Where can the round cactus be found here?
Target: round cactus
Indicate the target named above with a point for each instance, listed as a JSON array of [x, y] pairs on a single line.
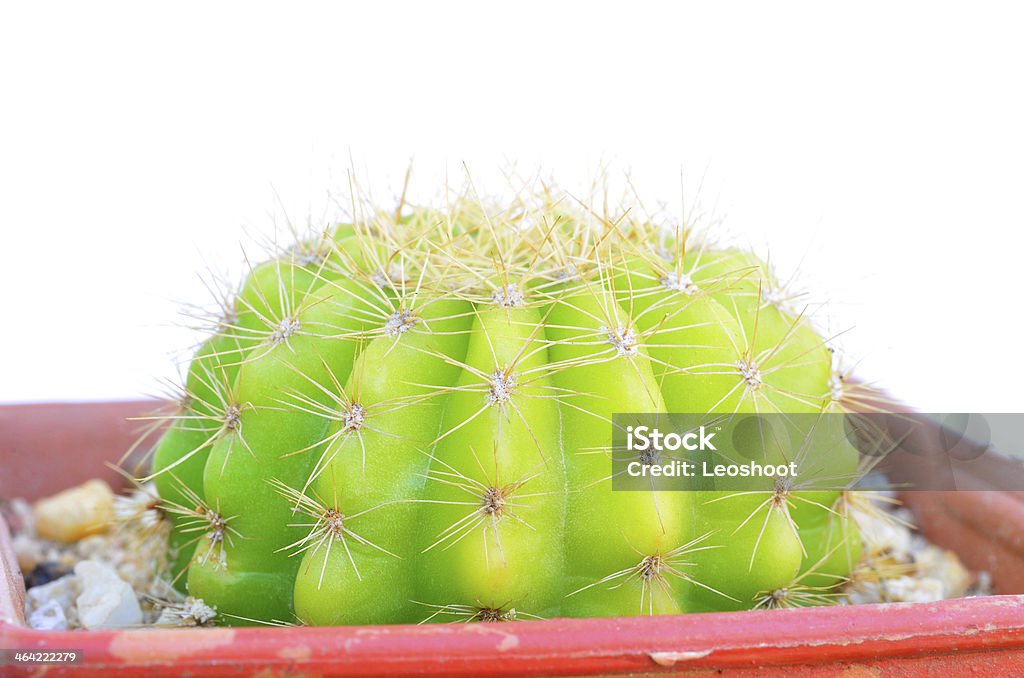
[[407, 417]]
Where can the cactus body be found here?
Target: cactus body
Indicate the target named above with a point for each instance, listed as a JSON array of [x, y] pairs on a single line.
[[408, 418]]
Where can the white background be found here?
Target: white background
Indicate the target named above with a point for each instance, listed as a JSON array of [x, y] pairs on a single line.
[[881, 145]]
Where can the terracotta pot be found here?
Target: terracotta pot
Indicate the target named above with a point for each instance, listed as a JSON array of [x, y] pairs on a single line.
[[44, 448]]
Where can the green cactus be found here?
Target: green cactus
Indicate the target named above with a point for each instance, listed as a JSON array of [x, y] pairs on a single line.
[[406, 418]]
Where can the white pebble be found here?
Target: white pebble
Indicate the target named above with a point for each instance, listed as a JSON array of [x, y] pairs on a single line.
[[107, 601], [881, 534], [49, 617], [61, 591], [913, 590]]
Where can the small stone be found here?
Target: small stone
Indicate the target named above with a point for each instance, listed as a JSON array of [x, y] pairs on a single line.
[[75, 513], [913, 590], [28, 550], [943, 566], [883, 535], [44, 573], [982, 585], [62, 591], [49, 617], [107, 601]]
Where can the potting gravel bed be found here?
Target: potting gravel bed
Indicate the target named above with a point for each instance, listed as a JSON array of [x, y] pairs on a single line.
[[92, 559]]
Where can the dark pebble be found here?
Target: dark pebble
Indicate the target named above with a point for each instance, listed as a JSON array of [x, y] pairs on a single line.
[[44, 573]]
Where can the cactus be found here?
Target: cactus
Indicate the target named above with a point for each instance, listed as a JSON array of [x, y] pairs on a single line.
[[406, 418]]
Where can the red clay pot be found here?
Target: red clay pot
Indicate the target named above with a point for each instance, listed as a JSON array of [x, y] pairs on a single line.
[[45, 448]]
